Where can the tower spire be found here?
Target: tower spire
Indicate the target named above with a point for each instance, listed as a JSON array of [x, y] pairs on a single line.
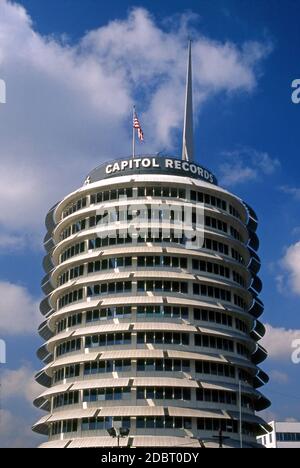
[[188, 128]]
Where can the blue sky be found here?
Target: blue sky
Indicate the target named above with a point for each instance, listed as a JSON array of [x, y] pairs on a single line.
[[70, 88]]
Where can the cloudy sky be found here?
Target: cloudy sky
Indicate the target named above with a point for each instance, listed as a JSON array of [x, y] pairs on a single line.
[[73, 70]]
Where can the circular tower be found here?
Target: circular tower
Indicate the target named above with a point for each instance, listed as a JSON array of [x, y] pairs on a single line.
[[151, 311]]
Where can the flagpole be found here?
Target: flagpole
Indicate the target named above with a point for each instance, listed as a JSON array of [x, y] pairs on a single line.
[[133, 134]]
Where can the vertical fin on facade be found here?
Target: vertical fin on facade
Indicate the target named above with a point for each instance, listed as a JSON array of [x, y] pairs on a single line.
[[188, 127]]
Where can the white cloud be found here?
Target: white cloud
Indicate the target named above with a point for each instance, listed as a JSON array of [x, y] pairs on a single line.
[[15, 431], [291, 420], [290, 263], [18, 390], [269, 416], [6, 422], [294, 191], [20, 383], [69, 106], [296, 231], [16, 302], [279, 377], [235, 173], [278, 342], [245, 165], [280, 283], [10, 242]]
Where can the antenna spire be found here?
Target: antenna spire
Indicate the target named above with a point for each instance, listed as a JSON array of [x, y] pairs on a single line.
[[188, 128]]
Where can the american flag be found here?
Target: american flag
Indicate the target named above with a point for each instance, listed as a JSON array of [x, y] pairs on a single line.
[[137, 125]]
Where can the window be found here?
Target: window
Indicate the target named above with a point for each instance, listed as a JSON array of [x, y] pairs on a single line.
[[71, 274], [71, 321], [221, 318], [216, 396], [161, 192], [216, 224], [100, 424], [218, 293], [242, 350], [71, 297], [75, 206], [111, 263], [288, 436], [103, 394], [208, 200], [68, 347], [215, 246], [160, 365], [97, 315], [71, 398], [210, 368], [237, 256], [101, 367], [215, 425], [109, 288], [241, 326], [163, 422], [163, 338], [234, 212], [235, 234], [65, 427], [110, 339], [239, 301], [66, 373], [162, 261], [111, 195], [210, 267], [162, 286], [76, 249], [101, 242], [80, 225]]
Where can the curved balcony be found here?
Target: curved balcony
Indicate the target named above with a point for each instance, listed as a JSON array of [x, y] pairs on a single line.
[[257, 308], [44, 331], [50, 223], [260, 355], [48, 243], [256, 286], [253, 242], [47, 263], [258, 331], [254, 264], [45, 307], [43, 379], [46, 285], [252, 218]]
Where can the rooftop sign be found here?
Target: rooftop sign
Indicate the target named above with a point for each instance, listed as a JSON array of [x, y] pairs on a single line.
[[151, 165]]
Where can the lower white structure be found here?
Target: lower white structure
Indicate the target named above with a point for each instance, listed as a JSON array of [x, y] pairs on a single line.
[[283, 435]]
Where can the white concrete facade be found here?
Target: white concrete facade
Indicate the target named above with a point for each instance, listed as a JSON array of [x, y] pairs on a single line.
[[149, 334], [284, 435]]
